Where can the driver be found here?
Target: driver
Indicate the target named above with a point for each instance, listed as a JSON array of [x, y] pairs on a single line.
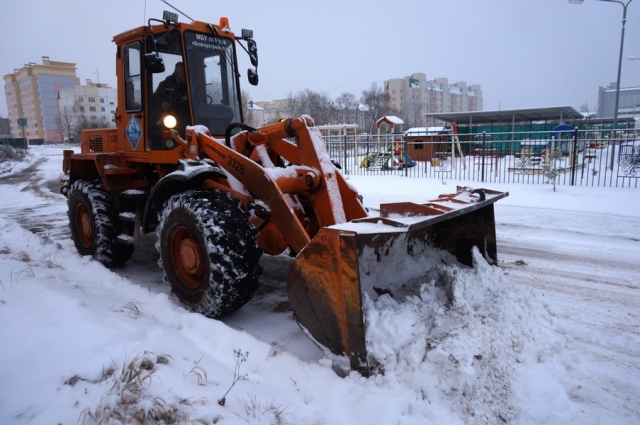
[[171, 97]]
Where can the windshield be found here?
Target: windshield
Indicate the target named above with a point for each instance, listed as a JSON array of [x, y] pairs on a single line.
[[212, 82]]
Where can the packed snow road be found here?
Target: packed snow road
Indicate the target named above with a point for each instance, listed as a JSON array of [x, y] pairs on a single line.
[[572, 268]]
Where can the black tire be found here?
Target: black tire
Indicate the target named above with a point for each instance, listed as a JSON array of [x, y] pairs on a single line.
[[208, 251], [94, 224]]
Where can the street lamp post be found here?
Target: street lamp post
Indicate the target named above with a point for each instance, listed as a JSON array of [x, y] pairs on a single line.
[[615, 109]]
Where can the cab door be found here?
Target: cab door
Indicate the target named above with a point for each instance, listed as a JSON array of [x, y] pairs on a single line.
[[131, 83]]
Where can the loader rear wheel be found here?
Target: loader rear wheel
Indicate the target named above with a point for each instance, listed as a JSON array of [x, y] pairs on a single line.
[[94, 224], [208, 251]]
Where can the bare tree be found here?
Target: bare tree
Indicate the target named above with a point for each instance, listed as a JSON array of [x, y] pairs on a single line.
[[67, 123], [325, 107], [346, 100], [83, 124], [378, 104], [317, 105], [417, 105], [347, 106], [247, 109], [105, 123], [308, 102], [292, 105], [72, 121], [588, 111]]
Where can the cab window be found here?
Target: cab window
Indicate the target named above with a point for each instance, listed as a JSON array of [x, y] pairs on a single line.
[[132, 78]]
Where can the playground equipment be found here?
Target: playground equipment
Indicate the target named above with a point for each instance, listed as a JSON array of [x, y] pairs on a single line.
[[394, 157]]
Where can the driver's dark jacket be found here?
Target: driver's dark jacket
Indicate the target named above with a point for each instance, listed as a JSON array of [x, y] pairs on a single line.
[[171, 91]]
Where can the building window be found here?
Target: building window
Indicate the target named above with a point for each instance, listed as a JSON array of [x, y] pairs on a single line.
[[81, 108], [102, 109], [92, 99], [92, 108], [81, 99], [102, 100]]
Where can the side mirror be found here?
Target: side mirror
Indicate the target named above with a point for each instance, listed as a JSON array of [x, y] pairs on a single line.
[[153, 63], [253, 51], [252, 75]]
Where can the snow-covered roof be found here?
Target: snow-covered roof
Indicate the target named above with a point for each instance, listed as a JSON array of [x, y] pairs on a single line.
[[338, 126], [390, 119], [426, 131]]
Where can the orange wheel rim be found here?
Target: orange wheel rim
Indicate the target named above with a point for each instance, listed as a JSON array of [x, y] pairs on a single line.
[[187, 257], [83, 225]]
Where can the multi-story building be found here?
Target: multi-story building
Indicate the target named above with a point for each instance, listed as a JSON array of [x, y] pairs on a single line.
[[628, 103], [254, 115], [90, 106], [414, 96], [276, 110], [32, 93]]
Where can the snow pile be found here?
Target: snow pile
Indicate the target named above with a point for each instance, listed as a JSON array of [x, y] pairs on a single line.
[[14, 160], [464, 340]]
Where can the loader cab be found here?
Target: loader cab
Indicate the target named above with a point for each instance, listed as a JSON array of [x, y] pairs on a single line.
[[198, 85], [147, 61]]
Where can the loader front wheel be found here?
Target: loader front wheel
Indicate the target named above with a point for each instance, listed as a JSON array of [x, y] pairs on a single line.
[[94, 224], [208, 251]]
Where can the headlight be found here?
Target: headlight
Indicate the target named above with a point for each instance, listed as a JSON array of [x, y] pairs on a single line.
[[169, 121]]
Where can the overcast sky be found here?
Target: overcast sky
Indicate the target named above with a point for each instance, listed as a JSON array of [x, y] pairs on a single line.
[[524, 53]]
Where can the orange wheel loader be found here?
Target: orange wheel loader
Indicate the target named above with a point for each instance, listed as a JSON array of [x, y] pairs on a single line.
[[219, 194]]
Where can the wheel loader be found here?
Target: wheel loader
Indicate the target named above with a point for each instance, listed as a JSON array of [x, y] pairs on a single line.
[[220, 194]]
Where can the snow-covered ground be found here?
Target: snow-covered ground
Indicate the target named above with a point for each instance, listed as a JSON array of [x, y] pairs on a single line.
[[551, 336]]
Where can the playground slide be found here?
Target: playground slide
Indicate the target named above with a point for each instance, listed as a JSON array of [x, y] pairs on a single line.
[[407, 160]]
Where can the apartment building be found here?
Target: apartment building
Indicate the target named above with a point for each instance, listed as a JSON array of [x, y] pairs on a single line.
[[414, 96], [276, 110], [90, 106], [31, 92]]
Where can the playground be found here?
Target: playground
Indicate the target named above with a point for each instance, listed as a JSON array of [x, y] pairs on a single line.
[[390, 152], [566, 157]]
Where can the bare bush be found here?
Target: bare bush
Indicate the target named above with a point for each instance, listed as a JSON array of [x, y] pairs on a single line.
[[9, 153], [129, 401]]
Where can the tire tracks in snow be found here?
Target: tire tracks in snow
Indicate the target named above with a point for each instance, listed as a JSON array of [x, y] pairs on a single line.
[[608, 331]]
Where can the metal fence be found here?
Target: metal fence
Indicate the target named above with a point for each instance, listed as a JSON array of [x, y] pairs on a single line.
[[580, 158], [18, 143]]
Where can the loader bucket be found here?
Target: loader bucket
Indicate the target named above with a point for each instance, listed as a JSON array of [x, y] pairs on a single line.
[[344, 263]]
